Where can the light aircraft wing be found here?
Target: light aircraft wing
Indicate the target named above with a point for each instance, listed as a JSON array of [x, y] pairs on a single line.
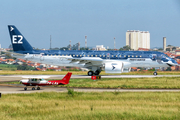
[[38, 77]]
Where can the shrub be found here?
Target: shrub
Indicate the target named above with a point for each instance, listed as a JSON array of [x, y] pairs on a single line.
[[70, 92]]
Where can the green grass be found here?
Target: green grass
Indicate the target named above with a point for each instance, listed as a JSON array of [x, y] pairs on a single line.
[[91, 106], [7, 67], [126, 83], [8, 72]]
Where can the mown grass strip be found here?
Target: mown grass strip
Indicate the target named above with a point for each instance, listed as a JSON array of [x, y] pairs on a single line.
[[125, 83], [91, 105]]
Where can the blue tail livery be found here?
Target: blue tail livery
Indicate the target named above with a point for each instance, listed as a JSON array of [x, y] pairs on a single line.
[[18, 41]]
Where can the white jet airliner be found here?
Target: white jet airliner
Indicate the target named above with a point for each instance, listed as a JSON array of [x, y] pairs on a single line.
[[95, 61]]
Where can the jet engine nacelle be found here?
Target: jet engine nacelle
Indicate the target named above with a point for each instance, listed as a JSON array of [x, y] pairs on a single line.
[[114, 67]]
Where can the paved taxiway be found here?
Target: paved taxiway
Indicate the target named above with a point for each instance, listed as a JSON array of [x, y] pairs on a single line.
[[10, 89]]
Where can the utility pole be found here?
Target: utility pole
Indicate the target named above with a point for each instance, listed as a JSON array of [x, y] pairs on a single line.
[[114, 44], [50, 42]]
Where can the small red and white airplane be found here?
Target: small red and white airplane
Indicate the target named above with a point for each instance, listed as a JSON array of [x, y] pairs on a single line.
[[40, 81]]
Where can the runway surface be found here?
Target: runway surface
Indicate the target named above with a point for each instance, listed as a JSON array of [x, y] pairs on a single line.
[[10, 89], [6, 78]]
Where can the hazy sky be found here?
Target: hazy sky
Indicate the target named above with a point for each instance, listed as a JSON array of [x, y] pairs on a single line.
[[100, 20]]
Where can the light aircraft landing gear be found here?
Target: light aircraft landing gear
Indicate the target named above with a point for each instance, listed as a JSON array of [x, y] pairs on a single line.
[[25, 88], [33, 88], [90, 73], [38, 88]]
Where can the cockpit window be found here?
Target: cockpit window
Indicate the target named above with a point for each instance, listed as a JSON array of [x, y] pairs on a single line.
[[166, 55], [42, 79]]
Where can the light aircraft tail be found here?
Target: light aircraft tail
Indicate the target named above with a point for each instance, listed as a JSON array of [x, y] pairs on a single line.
[[66, 78], [18, 41]]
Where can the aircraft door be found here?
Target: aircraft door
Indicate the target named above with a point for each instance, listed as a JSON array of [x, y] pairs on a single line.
[[41, 57]]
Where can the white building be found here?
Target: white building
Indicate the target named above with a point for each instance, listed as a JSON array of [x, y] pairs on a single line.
[[138, 39], [100, 48]]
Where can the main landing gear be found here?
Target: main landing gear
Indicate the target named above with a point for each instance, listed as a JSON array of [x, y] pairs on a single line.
[[91, 73], [155, 73], [33, 88]]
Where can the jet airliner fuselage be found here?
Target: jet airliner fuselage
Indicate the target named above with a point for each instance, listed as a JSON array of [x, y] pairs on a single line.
[[110, 61]]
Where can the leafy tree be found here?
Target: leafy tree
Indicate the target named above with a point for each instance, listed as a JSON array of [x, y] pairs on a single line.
[[174, 48], [160, 49], [169, 69], [168, 49], [83, 48], [121, 49], [56, 48], [64, 48], [169, 45], [110, 49], [24, 66], [125, 48]]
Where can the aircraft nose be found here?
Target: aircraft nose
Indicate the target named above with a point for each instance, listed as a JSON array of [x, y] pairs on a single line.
[[174, 62]]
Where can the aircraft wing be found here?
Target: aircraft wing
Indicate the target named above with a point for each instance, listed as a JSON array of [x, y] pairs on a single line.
[[87, 60]]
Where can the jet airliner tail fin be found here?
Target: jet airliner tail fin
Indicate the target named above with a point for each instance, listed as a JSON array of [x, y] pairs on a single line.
[[19, 42]]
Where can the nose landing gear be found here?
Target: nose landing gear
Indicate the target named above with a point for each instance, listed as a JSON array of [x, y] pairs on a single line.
[[155, 73]]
